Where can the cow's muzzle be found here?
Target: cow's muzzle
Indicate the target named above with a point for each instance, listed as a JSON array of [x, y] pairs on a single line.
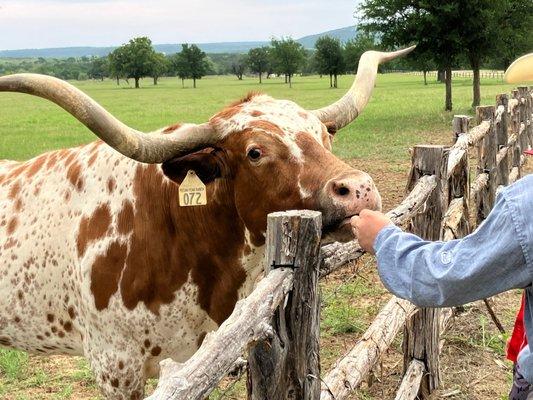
[[343, 197]]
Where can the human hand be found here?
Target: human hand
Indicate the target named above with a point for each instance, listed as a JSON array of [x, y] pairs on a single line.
[[366, 227]]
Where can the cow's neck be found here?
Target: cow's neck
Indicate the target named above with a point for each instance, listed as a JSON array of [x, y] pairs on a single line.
[[169, 244]]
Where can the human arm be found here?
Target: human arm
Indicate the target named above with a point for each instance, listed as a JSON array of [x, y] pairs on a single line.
[[436, 274]]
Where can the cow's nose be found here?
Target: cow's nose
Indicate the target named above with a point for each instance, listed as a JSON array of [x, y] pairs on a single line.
[[354, 192]]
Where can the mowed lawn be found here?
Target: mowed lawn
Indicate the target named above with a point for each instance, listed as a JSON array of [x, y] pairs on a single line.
[[403, 112]]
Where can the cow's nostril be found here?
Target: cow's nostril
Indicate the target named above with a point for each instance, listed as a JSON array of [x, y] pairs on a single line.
[[343, 191]]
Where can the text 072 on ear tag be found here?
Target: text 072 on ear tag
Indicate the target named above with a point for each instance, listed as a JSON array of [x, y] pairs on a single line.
[[192, 191]]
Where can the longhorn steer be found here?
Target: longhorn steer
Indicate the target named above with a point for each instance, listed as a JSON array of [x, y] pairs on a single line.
[[98, 259]]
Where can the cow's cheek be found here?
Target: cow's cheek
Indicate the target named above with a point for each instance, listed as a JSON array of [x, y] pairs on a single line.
[[253, 208]]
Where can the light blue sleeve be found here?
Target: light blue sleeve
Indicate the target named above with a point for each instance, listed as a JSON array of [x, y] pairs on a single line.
[[442, 274]]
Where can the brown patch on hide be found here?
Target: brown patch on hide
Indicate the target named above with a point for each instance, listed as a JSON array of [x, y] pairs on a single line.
[[125, 218], [105, 274], [74, 175], [12, 225], [35, 166], [93, 227], [171, 128]]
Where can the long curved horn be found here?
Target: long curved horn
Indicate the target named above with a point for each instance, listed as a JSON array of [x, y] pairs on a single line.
[[148, 148], [348, 108]]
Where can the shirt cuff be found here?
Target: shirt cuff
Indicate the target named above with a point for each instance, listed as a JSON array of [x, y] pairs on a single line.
[[383, 234]]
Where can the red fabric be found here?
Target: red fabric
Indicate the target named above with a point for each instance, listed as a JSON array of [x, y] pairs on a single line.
[[529, 152], [518, 339]]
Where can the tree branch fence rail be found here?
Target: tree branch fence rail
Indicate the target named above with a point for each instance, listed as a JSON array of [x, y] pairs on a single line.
[[278, 323]]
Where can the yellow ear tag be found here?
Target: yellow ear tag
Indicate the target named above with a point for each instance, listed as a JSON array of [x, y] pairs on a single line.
[[192, 191]]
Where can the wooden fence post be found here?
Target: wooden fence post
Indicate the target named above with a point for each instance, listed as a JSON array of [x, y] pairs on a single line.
[[486, 164], [460, 125], [287, 366], [525, 115], [458, 188], [502, 138], [422, 331]]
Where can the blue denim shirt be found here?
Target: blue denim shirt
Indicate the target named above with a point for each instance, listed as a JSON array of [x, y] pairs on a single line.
[[496, 257]]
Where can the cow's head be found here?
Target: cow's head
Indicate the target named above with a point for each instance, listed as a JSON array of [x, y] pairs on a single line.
[[266, 154]]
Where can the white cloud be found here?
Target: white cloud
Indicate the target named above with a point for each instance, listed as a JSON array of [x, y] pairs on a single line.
[[58, 23]]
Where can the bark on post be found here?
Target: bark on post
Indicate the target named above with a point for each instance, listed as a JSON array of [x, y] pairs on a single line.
[[502, 138], [530, 114], [525, 115], [422, 332], [460, 125], [515, 129], [459, 178], [287, 366], [487, 164]]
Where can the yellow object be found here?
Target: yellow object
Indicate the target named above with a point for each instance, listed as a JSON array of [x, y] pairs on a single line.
[[520, 70], [192, 191]]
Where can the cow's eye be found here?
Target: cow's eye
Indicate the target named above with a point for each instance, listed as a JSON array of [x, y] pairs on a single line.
[[254, 154]]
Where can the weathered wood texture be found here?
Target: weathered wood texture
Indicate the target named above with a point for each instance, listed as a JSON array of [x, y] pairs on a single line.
[[456, 219], [460, 125], [410, 385], [464, 141], [287, 364], [422, 331], [514, 105], [336, 255], [479, 184], [249, 322], [527, 93], [455, 223], [350, 371], [502, 139], [486, 164]]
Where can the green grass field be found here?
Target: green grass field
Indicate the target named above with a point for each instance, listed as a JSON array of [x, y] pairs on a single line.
[[403, 112]]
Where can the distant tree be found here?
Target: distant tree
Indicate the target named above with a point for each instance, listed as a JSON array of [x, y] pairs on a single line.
[[138, 57], [422, 62], [436, 26], [479, 35], [309, 65], [514, 31], [179, 65], [258, 61], [329, 58], [99, 68], [354, 48], [117, 63], [287, 57], [191, 63], [238, 67], [160, 66]]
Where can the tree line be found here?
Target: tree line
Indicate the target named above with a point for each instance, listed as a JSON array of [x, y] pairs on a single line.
[[137, 59]]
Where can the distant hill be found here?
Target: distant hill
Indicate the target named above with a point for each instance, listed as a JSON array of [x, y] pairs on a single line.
[[343, 34], [308, 42]]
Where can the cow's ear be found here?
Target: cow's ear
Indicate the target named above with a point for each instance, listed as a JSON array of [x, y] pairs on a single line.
[[206, 163], [331, 126]]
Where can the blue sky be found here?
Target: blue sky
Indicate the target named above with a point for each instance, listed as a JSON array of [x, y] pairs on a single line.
[[61, 23]]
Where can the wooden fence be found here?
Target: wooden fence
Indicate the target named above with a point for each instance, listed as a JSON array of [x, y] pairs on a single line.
[[278, 324], [455, 74]]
